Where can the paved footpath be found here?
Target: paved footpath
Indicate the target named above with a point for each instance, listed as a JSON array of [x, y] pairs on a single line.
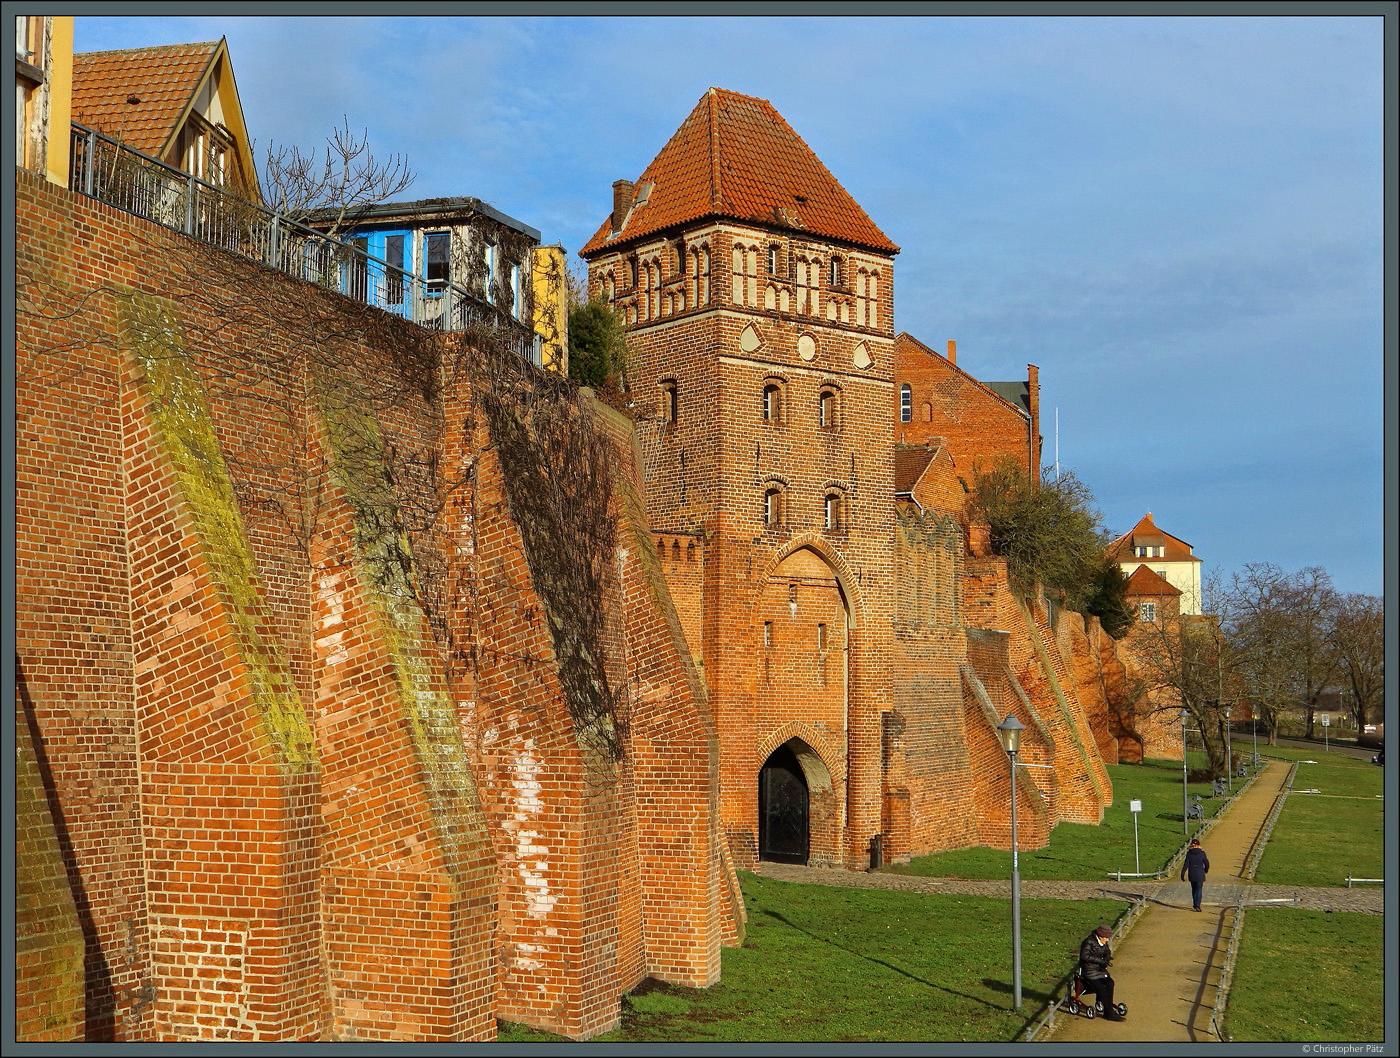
[[1167, 964]]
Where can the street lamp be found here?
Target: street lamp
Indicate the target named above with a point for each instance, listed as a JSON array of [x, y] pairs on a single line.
[[1185, 825], [1254, 732], [1009, 731], [1229, 760]]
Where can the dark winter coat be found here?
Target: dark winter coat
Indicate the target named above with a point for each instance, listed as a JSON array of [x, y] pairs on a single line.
[[1196, 865], [1094, 958]]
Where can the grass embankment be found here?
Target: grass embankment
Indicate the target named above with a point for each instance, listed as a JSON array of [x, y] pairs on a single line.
[[822, 963], [1082, 852], [1308, 975], [1321, 838], [833, 964]]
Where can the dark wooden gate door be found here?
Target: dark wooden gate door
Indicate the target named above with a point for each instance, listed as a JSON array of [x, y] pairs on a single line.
[[782, 809]]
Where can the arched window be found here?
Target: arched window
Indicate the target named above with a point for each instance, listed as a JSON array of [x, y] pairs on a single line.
[[773, 402], [833, 512], [773, 506], [835, 275], [828, 409], [906, 403], [670, 406], [772, 259], [675, 550]]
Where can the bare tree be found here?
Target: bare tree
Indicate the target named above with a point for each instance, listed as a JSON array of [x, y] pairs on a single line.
[[336, 187], [1183, 663], [1282, 629], [1359, 642]]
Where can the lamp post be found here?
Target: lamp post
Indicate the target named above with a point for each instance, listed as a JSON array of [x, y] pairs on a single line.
[[1009, 731], [1229, 760], [1185, 823], [1254, 733]]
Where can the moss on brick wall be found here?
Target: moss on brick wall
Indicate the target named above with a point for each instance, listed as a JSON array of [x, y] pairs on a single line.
[[360, 462], [184, 430]]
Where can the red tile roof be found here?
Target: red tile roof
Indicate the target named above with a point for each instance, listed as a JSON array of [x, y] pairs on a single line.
[[735, 157], [163, 79], [910, 462], [1144, 581], [1147, 534]]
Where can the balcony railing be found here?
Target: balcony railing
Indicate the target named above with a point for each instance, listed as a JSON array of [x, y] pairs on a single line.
[[141, 185]]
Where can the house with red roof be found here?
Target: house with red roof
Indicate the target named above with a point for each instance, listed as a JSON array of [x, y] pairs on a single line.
[[982, 423], [1167, 556], [1155, 599], [177, 103]]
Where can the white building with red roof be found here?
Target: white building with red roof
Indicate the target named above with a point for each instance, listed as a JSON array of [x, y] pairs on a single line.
[[1167, 556]]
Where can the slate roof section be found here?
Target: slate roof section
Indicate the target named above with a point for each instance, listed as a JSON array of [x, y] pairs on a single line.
[[1147, 534], [164, 79], [736, 158]]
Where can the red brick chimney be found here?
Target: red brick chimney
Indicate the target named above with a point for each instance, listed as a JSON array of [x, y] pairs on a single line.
[[952, 352], [622, 203]]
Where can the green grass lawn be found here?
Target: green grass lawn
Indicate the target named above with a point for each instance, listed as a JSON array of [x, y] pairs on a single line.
[[1308, 975], [1321, 838], [830, 964], [1082, 852]]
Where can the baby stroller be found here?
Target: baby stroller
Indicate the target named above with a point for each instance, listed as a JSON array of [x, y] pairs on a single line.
[[1089, 1007]]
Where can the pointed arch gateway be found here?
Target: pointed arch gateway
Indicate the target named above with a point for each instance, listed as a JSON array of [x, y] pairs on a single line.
[[802, 704]]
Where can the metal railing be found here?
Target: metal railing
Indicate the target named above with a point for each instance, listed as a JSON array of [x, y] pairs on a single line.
[[146, 187]]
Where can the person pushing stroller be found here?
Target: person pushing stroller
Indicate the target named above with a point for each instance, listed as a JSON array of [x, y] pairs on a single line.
[[1094, 956]]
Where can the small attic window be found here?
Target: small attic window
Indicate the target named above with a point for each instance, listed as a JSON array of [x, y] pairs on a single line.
[[643, 193]]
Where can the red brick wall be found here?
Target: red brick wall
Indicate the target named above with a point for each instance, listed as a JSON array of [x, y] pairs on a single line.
[[979, 426], [49, 944], [928, 774], [264, 752]]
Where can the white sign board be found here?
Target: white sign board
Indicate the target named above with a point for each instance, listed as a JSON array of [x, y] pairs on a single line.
[[1134, 806], [1326, 719]]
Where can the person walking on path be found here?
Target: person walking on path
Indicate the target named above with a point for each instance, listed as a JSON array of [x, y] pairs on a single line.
[[1094, 957], [1194, 869]]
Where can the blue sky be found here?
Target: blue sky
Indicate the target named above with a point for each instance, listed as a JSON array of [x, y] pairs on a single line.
[[1178, 220]]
